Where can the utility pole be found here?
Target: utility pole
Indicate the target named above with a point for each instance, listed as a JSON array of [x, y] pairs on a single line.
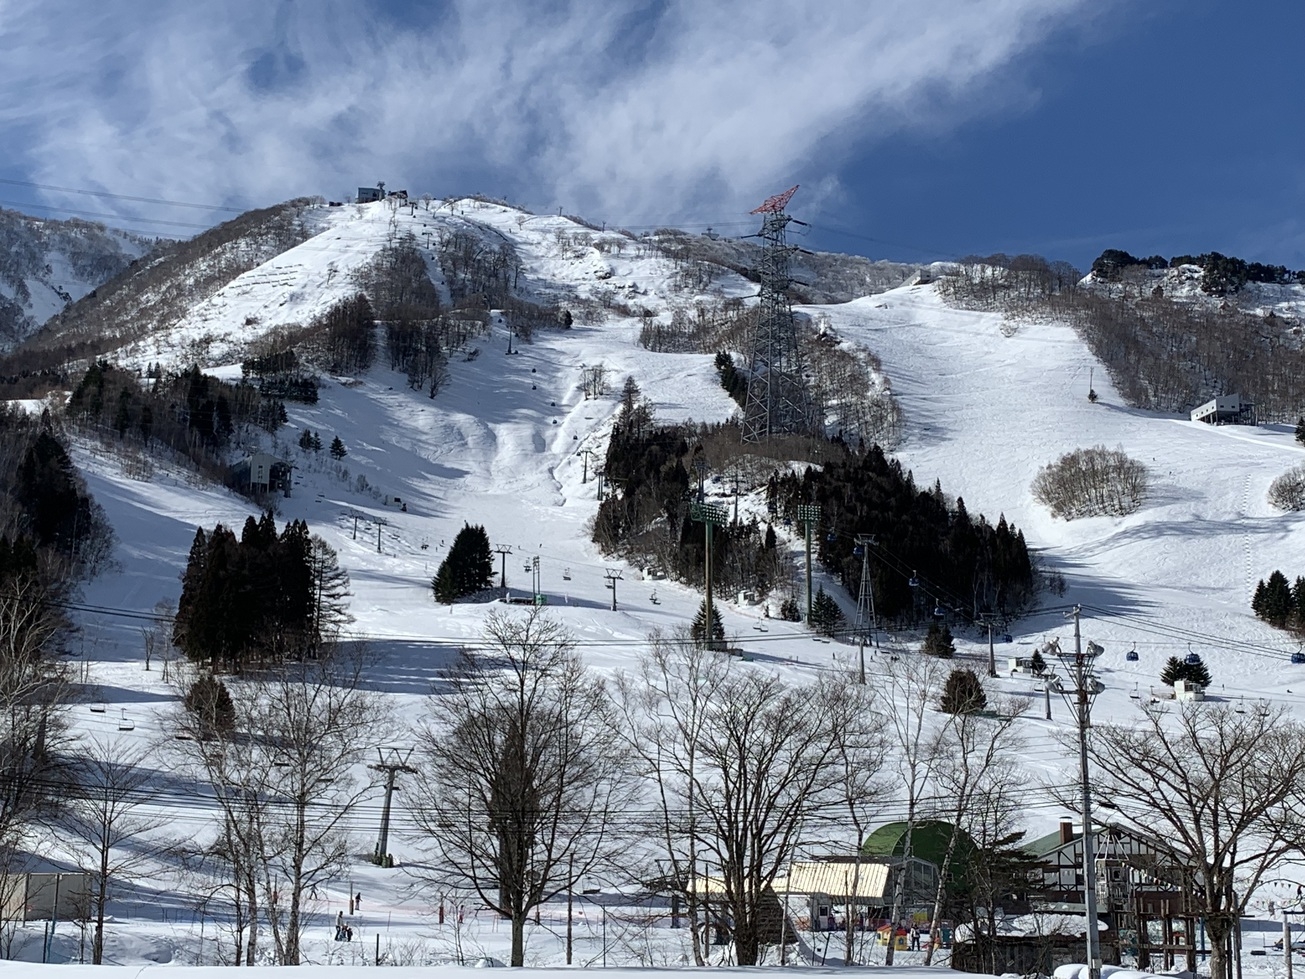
[[709, 514], [990, 620], [1079, 692], [736, 496], [378, 538], [865, 598], [503, 550], [392, 762], [570, 891], [613, 576], [808, 514], [536, 579]]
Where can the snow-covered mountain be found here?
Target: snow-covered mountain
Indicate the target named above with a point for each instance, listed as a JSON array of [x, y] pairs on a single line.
[[46, 264], [508, 442]]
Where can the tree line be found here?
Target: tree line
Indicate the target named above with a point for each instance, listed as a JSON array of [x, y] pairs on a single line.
[[1279, 603], [955, 560], [1162, 353], [191, 415], [263, 597]]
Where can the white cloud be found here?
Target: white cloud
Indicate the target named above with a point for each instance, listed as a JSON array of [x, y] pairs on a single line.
[[626, 113]]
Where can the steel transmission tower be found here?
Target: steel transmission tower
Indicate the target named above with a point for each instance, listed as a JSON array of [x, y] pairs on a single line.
[[778, 402]]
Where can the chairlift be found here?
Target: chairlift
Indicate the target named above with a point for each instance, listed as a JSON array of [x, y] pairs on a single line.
[[831, 537], [566, 574], [914, 582], [1007, 637], [1241, 706], [1297, 658], [1191, 659], [125, 723], [526, 568], [611, 585], [1136, 694], [99, 708], [1131, 655], [858, 551], [939, 612]]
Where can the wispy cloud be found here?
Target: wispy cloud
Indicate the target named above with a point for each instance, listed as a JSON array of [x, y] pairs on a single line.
[[636, 112]]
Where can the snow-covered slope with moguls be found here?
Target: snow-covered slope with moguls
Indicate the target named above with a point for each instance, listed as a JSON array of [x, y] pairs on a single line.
[[986, 404]]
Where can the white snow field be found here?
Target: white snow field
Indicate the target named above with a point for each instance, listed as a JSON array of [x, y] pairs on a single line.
[[500, 446]]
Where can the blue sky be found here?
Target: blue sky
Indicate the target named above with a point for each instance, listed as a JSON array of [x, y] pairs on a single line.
[[918, 130]]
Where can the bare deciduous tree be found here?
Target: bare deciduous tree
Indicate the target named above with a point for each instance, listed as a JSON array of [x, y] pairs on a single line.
[[282, 777], [912, 689], [1092, 482], [110, 784], [520, 783], [975, 752], [665, 708], [764, 765], [1223, 789]]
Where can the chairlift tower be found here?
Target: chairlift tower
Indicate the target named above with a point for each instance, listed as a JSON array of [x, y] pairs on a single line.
[[778, 401]]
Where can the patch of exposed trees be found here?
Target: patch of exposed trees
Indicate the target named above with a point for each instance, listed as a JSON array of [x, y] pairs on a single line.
[[192, 415], [957, 558], [1279, 603], [646, 516], [1221, 275], [1092, 482], [1287, 492], [263, 598], [476, 269]]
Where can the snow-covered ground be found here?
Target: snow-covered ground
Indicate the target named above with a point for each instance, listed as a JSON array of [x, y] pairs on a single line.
[[501, 446]]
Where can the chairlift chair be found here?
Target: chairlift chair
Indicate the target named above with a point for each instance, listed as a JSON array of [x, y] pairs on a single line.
[[914, 582], [831, 537], [99, 708], [566, 574], [1136, 694], [1191, 659], [939, 612], [1297, 658], [125, 723], [1131, 655], [858, 551], [1007, 637], [1241, 706]]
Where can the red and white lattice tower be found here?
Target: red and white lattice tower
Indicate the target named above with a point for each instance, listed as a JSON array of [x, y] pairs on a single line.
[[778, 402]]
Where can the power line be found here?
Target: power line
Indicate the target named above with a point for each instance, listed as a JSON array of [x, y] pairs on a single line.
[[122, 197], [96, 214]]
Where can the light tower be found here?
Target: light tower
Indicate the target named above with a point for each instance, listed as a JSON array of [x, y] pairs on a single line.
[[778, 402]]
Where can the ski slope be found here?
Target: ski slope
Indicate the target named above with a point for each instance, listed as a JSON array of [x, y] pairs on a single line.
[[986, 404]]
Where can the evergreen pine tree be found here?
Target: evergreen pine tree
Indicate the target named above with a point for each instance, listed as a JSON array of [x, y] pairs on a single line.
[[1196, 673], [316, 442], [306, 440], [698, 630], [938, 642], [1278, 603], [446, 592], [826, 616], [1039, 663], [789, 611], [338, 451], [963, 693], [1257, 602], [1300, 430], [1173, 670]]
